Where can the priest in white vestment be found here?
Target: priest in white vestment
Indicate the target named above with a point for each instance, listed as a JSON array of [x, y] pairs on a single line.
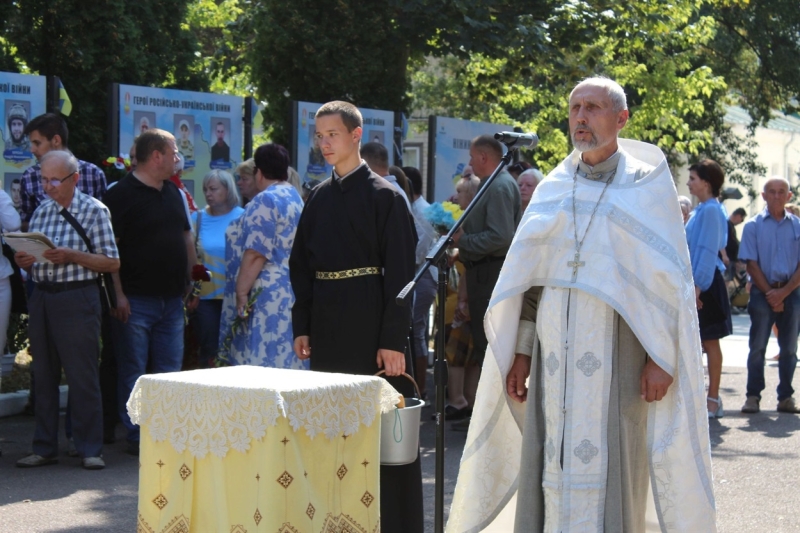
[[596, 304]]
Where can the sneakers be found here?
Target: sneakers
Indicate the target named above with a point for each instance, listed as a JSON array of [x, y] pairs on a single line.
[[751, 405], [787, 405], [34, 460], [93, 463]]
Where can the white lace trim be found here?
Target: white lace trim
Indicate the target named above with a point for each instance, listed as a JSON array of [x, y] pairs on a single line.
[[218, 409]]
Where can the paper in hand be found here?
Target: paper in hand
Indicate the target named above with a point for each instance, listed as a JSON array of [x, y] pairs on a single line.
[[33, 243]]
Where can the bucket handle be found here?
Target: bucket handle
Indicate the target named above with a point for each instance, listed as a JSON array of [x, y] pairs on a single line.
[[416, 387]]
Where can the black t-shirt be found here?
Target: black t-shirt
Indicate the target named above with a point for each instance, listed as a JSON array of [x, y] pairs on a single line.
[[732, 246], [149, 225]]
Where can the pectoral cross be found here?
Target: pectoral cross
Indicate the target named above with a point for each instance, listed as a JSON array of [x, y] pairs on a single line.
[[576, 264]]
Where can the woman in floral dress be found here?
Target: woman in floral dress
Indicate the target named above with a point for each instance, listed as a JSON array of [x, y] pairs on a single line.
[[266, 236]]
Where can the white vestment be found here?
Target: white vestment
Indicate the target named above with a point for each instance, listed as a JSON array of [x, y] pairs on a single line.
[[637, 264]]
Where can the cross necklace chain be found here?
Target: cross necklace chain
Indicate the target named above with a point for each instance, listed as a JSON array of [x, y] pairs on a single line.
[[576, 263]]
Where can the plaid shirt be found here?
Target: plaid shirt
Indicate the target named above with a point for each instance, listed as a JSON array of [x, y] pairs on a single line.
[[92, 181], [96, 221]]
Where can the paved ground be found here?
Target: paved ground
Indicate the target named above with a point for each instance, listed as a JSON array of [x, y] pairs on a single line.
[[756, 468]]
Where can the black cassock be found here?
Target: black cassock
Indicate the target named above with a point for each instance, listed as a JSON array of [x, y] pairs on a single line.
[[360, 222]]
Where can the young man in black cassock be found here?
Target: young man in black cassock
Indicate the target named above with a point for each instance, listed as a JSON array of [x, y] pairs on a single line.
[[353, 253]]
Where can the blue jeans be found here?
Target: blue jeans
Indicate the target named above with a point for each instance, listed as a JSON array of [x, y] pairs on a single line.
[[762, 317], [151, 341]]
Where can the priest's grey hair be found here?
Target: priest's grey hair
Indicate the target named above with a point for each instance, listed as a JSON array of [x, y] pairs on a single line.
[[612, 88]]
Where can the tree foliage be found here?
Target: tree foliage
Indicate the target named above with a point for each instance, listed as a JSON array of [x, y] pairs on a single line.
[[223, 30], [89, 47], [651, 48], [360, 51], [7, 62], [756, 48], [680, 61]]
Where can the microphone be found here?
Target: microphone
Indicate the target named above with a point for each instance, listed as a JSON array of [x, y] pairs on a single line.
[[513, 139]]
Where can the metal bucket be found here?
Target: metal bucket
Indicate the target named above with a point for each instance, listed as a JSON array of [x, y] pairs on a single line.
[[400, 431]]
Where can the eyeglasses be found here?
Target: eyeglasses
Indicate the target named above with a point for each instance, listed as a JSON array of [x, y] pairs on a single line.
[[55, 182]]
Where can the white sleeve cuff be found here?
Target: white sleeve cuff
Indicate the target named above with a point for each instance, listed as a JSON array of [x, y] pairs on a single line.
[[526, 332]]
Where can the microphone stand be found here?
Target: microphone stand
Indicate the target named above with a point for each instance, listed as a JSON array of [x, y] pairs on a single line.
[[436, 256]]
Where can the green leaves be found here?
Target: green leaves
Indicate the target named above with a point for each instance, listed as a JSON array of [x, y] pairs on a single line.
[[656, 50], [89, 48], [680, 61]]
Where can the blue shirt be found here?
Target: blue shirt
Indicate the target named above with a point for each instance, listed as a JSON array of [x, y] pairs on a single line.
[[725, 216], [774, 245], [706, 233], [211, 249]]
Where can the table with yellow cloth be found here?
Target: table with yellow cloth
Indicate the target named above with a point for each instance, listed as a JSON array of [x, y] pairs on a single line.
[[253, 449]]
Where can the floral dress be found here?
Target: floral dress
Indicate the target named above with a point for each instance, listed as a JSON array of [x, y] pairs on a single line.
[[233, 259], [268, 227]]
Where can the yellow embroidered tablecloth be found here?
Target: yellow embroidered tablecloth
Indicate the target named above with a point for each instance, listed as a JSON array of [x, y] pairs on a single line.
[[252, 449]]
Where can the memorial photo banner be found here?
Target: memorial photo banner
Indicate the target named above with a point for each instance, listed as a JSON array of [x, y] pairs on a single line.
[[208, 127], [22, 97]]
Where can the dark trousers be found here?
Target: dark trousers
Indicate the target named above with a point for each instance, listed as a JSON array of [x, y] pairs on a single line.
[[481, 280], [205, 322], [108, 377], [64, 330]]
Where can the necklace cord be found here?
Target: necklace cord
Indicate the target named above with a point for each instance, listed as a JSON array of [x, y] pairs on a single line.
[[579, 243]]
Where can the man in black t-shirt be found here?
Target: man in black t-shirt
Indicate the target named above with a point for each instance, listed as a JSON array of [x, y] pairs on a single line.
[[156, 254], [732, 246]]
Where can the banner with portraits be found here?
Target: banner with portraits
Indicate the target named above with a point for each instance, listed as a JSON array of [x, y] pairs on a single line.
[[449, 140], [22, 97], [208, 128], [305, 152]]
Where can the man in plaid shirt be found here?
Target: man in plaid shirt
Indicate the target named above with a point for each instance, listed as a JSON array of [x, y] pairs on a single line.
[[49, 132], [65, 311]]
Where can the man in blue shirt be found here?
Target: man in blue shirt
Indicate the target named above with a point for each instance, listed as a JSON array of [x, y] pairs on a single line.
[[771, 248]]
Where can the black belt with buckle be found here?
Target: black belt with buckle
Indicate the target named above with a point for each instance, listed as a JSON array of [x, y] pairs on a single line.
[[488, 259], [778, 284], [63, 286]]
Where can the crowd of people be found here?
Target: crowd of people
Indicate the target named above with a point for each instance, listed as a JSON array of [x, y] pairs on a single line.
[[592, 268], [766, 260]]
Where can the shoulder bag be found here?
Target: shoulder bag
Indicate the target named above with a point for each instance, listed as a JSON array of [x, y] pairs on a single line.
[[108, 296]]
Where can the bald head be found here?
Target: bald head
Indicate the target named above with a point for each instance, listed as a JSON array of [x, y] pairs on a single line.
[[59, 162], [59, 176], [777, 181]]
